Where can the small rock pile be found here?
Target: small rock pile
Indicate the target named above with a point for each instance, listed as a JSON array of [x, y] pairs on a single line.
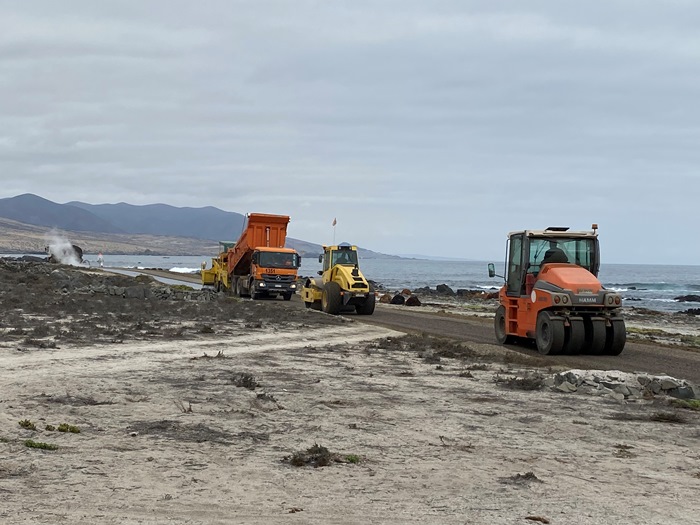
[[621, 385], [408, 298]]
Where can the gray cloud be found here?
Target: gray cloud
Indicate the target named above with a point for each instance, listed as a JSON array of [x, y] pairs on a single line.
[[431, 127]]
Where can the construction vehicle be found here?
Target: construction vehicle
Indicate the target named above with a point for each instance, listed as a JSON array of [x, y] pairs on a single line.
[[257, 265], [341, 285], [552, 294]]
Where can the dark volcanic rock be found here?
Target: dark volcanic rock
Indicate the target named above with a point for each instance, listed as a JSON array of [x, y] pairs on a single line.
[[691, 311], [386, 298], [398, 299], [476, 294], [413, 301], [687, 298], [443, 289]]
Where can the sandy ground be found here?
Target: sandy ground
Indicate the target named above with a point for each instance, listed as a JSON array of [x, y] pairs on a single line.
[[187, 421]]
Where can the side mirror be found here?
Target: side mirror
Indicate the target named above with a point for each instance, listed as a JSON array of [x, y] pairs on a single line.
[[492, 270], [320, 272], [299, 261], [320, 258]]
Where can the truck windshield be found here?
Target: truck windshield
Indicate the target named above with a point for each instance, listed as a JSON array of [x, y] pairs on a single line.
[[278, 260], [580, 251]]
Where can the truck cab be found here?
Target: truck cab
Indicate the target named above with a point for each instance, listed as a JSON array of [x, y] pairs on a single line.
[[273, 272]]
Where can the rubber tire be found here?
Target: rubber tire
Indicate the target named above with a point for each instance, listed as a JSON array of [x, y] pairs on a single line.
[[253, 294], [287, 296], [499, 325], [615, 337], [595, 335], [550, 334], [330, 299], [367, 308], [575, 337]]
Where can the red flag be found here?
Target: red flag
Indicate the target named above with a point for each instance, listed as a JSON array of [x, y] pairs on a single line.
[[334, 222]]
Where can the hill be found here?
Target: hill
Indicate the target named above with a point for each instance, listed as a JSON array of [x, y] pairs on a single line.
[[27, 222], [34, 210], [162, 219]]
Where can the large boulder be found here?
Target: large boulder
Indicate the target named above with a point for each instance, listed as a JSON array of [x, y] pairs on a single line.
[[443, 289], [398, 299], [687, 298], [413, 301]]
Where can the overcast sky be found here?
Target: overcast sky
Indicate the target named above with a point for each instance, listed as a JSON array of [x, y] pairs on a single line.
[[430, 127]]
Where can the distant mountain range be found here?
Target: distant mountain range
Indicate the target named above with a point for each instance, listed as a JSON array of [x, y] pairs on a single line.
[[127, 228]]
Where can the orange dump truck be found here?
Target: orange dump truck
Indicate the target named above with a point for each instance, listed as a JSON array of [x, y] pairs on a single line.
[[258, 264]]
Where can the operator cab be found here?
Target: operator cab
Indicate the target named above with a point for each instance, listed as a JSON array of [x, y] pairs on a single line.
[[529, 250], [343, 254]]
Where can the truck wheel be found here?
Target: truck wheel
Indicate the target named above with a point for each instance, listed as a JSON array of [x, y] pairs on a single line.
[[287, 296], [499, 324], [615, 337], [367, 308], [330, 300], [595, 335], [550, 334], [575, 337]]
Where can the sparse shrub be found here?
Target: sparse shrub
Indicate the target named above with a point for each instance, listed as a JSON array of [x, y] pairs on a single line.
[[26, 424], [49, 428], [623, 451], [533, 382], [65, 427], [264, 396], [38, 444], [352, 458], [245, 380], [518, 479], [691, 404], [668, 417], [316, 456], [206, 329]]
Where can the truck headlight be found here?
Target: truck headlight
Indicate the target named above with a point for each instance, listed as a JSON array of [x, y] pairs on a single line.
[[292, 286], [261, 285]]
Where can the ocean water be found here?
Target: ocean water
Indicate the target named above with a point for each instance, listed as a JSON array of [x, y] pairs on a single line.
[[641, 285]]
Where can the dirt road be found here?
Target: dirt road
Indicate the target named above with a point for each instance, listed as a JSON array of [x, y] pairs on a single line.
[[637, 357]]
